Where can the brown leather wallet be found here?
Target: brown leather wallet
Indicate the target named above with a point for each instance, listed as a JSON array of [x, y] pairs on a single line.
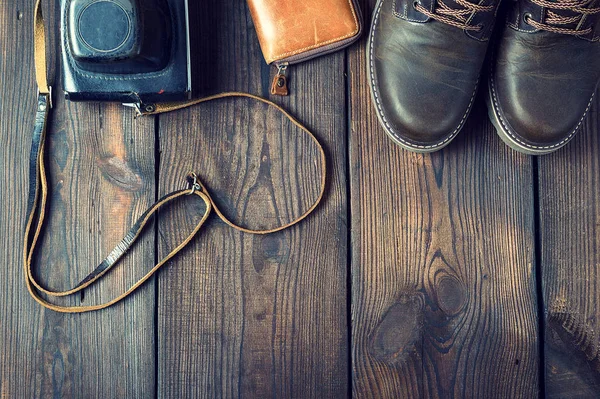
[[292, 31]]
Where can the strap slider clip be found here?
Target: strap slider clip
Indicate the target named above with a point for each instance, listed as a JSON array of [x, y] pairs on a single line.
[[48, 94]]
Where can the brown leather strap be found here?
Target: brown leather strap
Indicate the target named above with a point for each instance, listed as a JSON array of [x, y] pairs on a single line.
[[38, 192], [39, 48]]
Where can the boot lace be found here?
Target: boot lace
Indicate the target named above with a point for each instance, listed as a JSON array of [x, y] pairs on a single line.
[[458, 17], [555, 20]]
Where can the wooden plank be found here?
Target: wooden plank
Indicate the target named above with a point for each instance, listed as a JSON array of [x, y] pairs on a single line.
[[243, 315], [570, 259], [102, 177], [443, 278]]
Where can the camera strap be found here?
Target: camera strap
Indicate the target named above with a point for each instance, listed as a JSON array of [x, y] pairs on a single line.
[[38, 191]]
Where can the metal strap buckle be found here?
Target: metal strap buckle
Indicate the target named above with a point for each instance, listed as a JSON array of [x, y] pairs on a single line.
[[194, 185]]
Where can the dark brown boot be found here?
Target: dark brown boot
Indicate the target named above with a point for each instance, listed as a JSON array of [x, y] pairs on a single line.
[[545, 73], [424, 59]]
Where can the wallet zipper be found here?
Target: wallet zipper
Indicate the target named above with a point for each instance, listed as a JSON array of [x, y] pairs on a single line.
[[280, 82], [279, 86]]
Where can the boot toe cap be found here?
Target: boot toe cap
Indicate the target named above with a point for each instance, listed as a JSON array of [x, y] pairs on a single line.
[[541, 88], [536, 122], [413, 124]]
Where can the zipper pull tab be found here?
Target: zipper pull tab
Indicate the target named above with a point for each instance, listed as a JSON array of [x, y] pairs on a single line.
[[280, 82]]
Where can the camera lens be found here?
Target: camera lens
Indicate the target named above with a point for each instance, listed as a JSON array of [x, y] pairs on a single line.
[[104, 26]]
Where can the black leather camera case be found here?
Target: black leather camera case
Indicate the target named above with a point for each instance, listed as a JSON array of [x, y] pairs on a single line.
[[131, 51]]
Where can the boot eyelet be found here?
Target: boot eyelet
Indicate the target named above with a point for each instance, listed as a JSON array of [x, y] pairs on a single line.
[[526, 17], [416, 3]]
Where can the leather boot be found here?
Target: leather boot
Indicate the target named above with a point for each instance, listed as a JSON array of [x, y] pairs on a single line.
[[424, 60], [545, 73]]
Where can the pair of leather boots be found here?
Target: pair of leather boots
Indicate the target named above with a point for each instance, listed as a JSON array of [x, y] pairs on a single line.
[[425, 60]]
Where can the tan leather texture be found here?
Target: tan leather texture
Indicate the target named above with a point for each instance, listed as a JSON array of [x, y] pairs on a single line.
[[288, 28]]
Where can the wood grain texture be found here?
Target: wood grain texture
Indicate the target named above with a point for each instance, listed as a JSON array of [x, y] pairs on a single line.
[[443, 275], [101, 165], [242, 315], [570, 263], [442, 255]]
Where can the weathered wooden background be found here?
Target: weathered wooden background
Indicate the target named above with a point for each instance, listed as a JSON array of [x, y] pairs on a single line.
[[472, 272]]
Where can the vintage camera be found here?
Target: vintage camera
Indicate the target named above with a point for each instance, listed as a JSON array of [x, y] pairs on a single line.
[[131, 51]]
